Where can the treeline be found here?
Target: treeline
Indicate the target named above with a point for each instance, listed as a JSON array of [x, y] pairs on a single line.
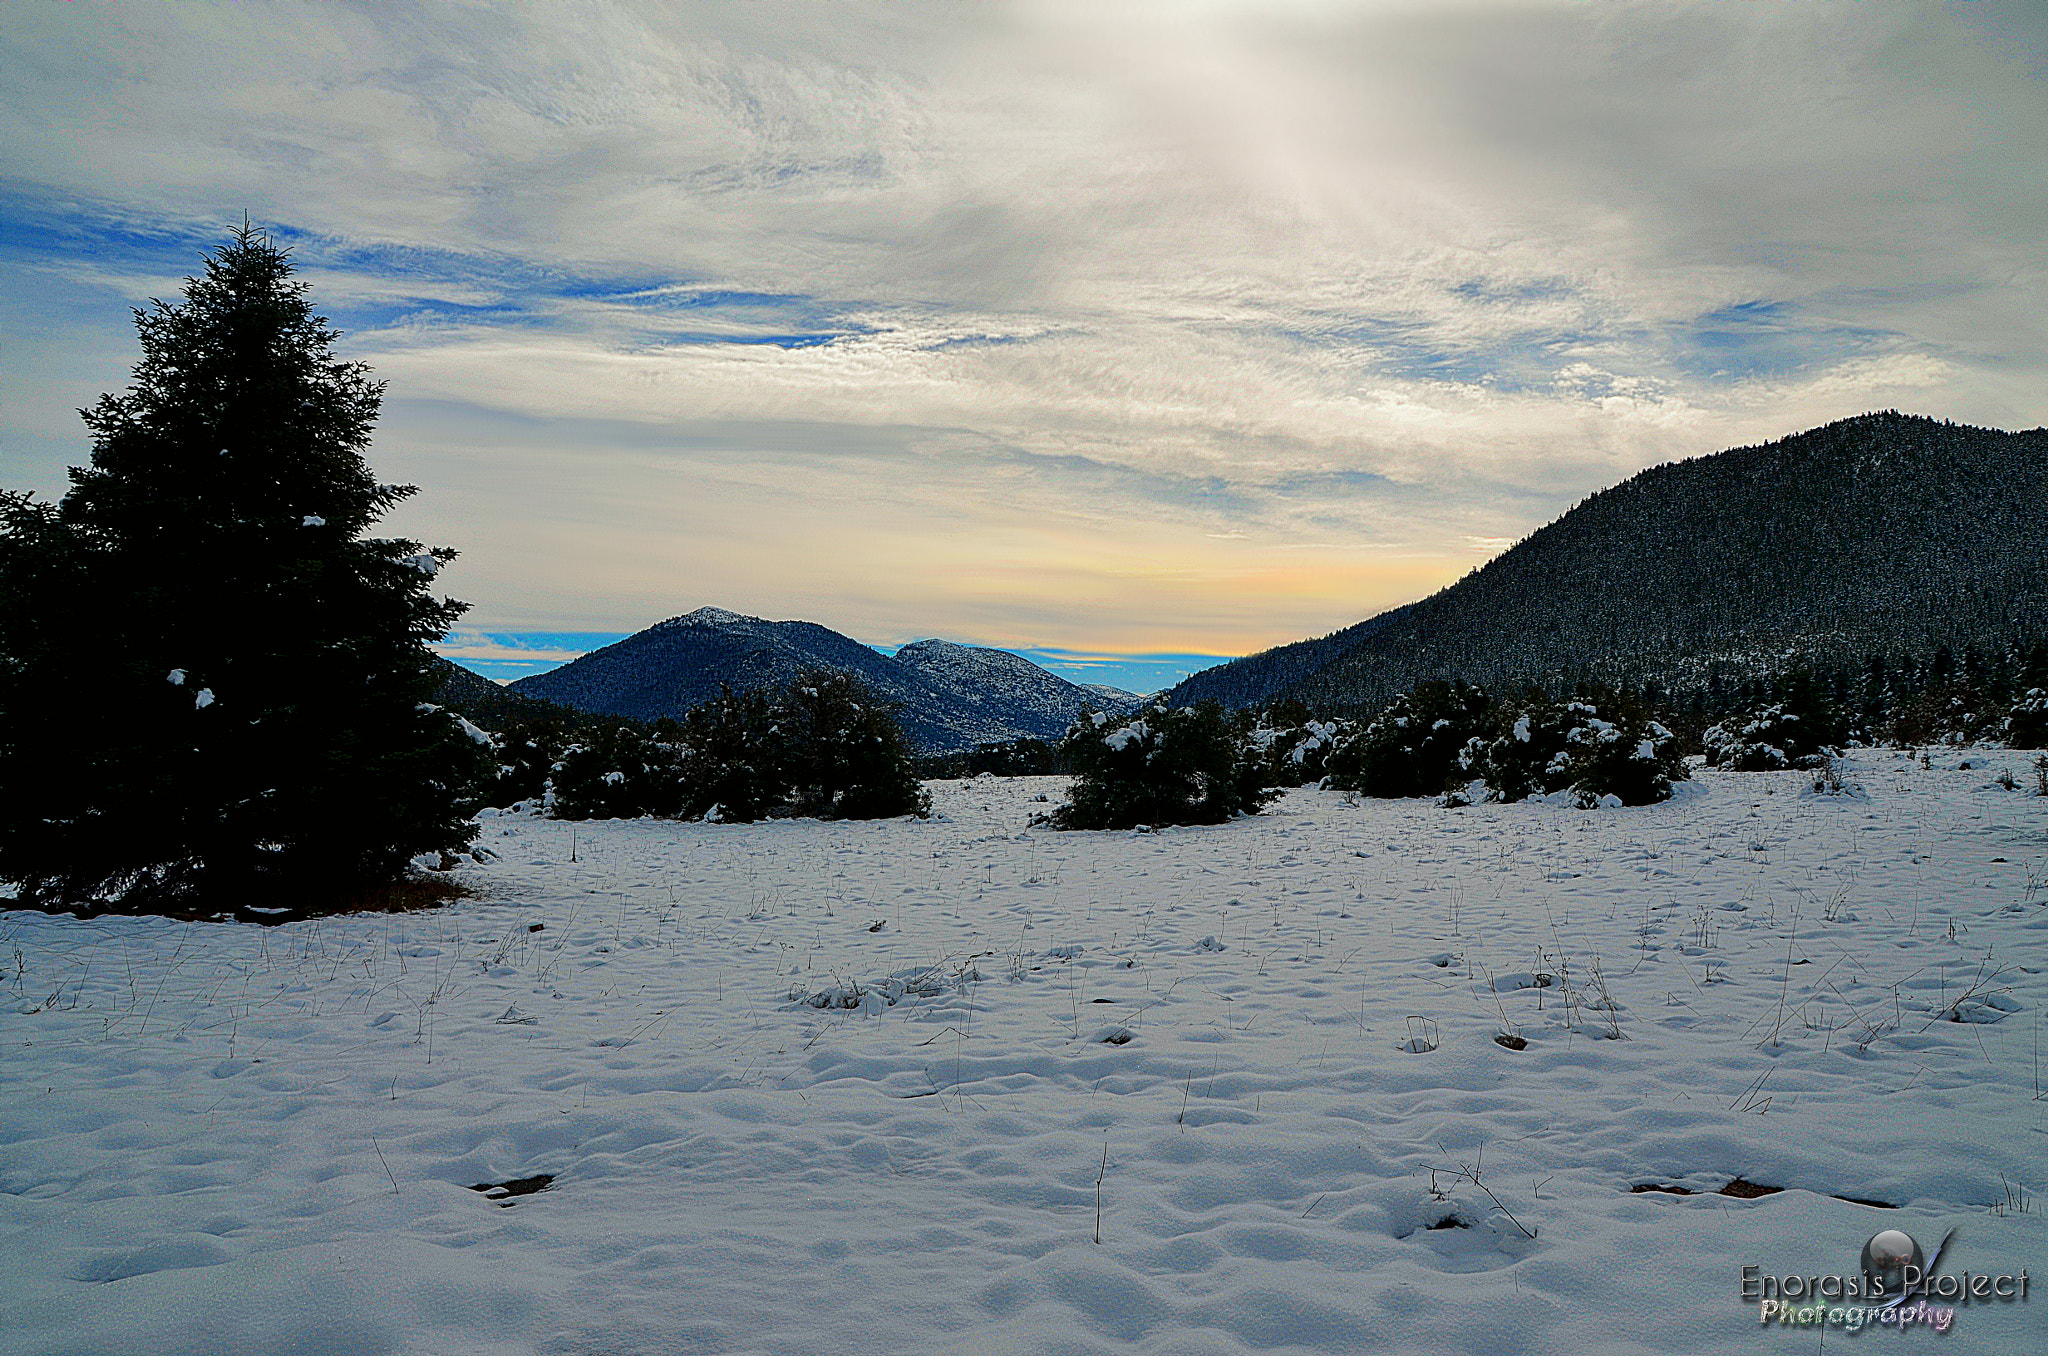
[[822, 746], [1443, 735], [1973, 696], [1460, 743]]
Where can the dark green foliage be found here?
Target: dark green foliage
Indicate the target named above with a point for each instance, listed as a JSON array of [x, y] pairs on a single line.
[[1766, 740], [1005, 758], [1530, 756], [214, 688], [1544, 748], [1413, 747], [1164, 765], [618, 769], [526, 751], [826, 747], [2026, 726], [1298, 753], [842, 753], [732, 765], [1802, 727]]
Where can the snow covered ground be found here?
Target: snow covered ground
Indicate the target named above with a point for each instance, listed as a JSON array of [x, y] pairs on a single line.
[[1271, 1043]]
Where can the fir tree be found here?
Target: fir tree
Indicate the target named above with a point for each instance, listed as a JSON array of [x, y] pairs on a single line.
[[1165, 765], [1413, 747], [213, 684], [843, 755], [731, 763]]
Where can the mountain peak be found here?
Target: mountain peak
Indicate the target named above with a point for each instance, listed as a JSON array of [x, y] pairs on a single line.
[[708, 616], [948, 696]]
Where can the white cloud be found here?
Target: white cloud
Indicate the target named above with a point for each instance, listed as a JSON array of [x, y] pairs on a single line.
[[1223, 282]]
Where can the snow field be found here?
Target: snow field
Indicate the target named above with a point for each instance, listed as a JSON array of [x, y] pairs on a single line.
[[848, 1087]]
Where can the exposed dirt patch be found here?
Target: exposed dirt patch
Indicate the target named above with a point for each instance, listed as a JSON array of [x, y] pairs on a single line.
[[502, 1192], [1739, 1188]]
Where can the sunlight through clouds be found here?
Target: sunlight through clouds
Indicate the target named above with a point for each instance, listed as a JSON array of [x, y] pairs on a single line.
[[1186, 328]]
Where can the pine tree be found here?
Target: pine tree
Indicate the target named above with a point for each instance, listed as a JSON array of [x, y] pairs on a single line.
[[732, 764], [841, 751], [212, 684], [1164, 765]]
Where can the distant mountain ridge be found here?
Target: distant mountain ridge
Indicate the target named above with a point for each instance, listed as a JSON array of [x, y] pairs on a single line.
[[950, 696], [1883, 534]]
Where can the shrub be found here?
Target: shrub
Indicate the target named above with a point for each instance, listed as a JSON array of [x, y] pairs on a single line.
[[1297, 752], [1416, 746], [1164, 765], [527, 748], [1766, 740], [842, 754], [2026, 726], [731, 768], [617, 769], [1548, 748]]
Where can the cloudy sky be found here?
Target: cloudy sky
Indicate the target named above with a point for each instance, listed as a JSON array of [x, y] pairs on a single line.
[[1091, 328]]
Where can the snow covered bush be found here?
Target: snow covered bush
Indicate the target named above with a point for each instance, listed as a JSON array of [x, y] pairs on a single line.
[[1296, 746], [215, 686], [1415, 746], [840, 751], [1801, 726], [2026, 726], [527, 749], [1548, 748], [1163, 765], [731, 768], [1767, 740], [618, 769]]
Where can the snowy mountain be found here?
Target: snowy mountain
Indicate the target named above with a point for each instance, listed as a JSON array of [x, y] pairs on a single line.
[[997, 681], [951, 696], [1116, 696], [1881, 536]]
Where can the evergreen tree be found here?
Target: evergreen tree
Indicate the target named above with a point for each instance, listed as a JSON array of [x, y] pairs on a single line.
[[1165, 765], [212, 684], [1413, 747], [842, 753], [731, 762]]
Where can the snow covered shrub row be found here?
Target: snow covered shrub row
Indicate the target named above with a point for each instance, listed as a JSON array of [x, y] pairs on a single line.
[[1767, 740], [1457, 740], [1416, 746], [823, 747], [1163, 765], [1294, 745]]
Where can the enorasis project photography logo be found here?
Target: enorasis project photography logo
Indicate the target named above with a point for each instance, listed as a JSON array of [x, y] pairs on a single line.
[[1896, 1285]]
